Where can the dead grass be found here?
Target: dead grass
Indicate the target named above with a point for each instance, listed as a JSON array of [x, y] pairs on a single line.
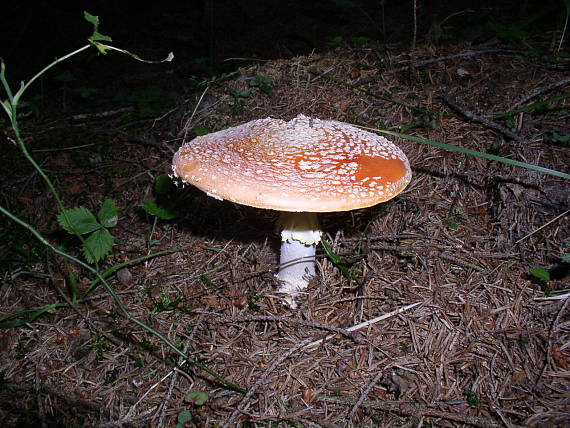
[[480, 349]]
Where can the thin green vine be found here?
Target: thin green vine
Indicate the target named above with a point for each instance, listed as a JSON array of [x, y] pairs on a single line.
[[11, 107]]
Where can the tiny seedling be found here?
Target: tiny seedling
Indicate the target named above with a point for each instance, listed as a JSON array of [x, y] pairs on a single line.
[[163, 212], [540, 274], [81, 221], [262, 84], [183, 417], [566, 257], [163, 208], [471, 397], [253, 300], [200, 130], [346, 268], [544, 275]]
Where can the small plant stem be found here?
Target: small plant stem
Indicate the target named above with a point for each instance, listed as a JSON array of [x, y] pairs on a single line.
[[41, 310], [119, 266], [415, 6], [565, 27], [12, 113], [149, 243], [118, 302], [57, 61]]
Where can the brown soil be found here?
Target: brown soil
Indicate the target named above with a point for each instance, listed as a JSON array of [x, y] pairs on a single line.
[[485, 346]]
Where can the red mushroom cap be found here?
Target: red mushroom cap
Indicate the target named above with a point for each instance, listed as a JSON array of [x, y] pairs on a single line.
[[304, 164]]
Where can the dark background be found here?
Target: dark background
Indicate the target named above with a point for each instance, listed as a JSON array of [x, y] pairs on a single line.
[[204, 34], [211, 37]]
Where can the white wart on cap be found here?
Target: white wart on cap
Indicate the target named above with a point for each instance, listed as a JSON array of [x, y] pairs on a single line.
[[304, 164]]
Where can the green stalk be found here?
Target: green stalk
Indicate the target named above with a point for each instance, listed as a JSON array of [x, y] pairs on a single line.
[[12, 113], [118, 302], [476, 153], [57, 61]]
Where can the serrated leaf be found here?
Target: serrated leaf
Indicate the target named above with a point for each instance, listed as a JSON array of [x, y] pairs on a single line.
[[163, 184], [78, 221], [108, 214], [161, 211], [197, 397], [98, 245], [540, 273]]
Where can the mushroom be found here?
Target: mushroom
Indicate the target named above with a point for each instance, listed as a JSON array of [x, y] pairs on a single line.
[[300, 167]]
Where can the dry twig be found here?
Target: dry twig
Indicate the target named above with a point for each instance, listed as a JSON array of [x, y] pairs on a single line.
[[480, 119], [364, 395], [367, 323], [262, 379], [174, 379]]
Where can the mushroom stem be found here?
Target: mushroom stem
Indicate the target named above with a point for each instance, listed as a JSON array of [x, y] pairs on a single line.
[[300, 234]]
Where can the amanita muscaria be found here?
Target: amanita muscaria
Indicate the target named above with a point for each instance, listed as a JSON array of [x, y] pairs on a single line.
[[300, 167]]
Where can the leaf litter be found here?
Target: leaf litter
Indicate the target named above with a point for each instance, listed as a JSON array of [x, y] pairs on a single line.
[[482, 347]]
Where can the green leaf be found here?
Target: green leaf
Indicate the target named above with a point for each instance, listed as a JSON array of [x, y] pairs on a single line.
[[337, 260], [91, 18], [200, 130], [8, 108], [78, 221], [108, 214], [540, 273], [183, 417], [98, 245], [96, 36], [239, 93], [263, 83], [35, 314], [163, 184], [197, 397], [163, 212]]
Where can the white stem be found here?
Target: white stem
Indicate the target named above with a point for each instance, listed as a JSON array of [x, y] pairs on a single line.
[[296, 265], [300, 236]]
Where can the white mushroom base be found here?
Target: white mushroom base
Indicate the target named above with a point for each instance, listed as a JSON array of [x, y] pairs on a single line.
[[300, 235]]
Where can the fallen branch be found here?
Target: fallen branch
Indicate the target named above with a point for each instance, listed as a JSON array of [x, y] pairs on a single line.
[[540, 91], [364, 394], [386, 98], [174, 373], [466, 54], [480, 119]]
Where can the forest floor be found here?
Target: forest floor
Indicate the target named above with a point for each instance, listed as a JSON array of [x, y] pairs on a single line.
[[471, 337]]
